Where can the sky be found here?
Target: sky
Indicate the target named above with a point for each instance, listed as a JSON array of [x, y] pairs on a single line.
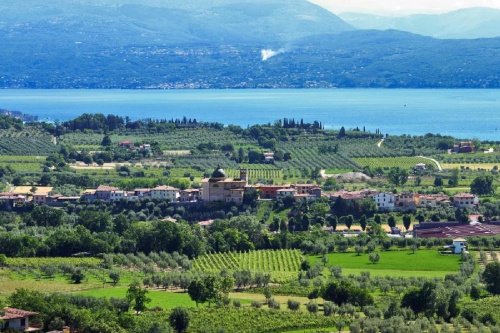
[[397, 7]]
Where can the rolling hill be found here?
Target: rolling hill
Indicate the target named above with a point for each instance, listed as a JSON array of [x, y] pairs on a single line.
[[466, 23], [172, 22]]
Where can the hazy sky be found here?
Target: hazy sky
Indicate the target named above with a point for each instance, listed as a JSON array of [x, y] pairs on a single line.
[[402, 6]]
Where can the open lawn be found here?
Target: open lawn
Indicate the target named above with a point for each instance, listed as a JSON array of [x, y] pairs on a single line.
[[169, 299], [425, 263], [10, 281], [161, 298]]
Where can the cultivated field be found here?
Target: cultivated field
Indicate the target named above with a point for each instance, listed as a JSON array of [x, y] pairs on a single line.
[[471, 166], [282, 264], [392, 162]]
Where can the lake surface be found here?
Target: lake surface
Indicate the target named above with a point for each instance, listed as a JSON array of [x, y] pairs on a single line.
[[457, 112]]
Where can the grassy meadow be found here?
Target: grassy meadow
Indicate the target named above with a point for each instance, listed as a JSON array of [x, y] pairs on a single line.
[[424, 263]]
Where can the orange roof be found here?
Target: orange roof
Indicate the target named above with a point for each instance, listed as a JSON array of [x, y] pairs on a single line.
[[164, 188], [104, 188], [12, 313], [464, 195]]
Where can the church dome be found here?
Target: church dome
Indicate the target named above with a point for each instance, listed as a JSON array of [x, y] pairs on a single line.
[[219, 173]]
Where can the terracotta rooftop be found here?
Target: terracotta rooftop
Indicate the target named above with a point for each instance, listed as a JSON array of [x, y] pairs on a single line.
[[164, 188], [105, 188], [12, 313], [464, 195]]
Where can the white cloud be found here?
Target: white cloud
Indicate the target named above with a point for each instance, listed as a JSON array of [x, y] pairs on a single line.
[[402, 6]]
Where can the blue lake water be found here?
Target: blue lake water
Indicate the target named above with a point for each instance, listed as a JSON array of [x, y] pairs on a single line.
[[457, 112]]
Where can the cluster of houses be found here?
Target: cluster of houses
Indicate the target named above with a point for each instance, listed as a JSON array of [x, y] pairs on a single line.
[[219, 187], [131, 146], [388, 201], [216, 188]]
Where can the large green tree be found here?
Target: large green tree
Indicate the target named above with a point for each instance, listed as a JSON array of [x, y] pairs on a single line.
[[179, 319], [482, 185], [491, 277], [398, 176], [137, 296], [422, 300]]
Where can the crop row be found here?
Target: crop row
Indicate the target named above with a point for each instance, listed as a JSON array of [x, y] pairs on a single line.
[[26, 146], [255, 261], [258, 174], [406, 162], [248, 320], [311, 158]]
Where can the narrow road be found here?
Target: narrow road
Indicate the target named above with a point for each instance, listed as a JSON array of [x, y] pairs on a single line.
[[433, 160], [379, 144]]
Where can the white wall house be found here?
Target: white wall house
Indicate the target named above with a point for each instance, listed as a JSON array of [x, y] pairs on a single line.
[[286, 192], [466, 200], [117, 195], [459, 246], [385, 200], [164, 193]]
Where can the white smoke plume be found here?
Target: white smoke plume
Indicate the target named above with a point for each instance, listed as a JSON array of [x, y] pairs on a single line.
[[267, 54]]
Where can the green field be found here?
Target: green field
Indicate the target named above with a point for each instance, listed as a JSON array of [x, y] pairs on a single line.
[[392, 162], [161, 298], [45, 261], [425, 263]]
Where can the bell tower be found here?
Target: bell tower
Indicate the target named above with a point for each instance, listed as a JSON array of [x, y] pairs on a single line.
[[244, 175]]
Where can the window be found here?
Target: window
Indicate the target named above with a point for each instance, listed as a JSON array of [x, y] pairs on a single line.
[[23, 322]]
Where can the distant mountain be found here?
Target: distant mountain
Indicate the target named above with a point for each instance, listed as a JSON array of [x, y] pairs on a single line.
[[172, 22], [466, 23], [363, 58], [223, 44]]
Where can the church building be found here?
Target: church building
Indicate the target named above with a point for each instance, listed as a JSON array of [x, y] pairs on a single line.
[[221, 188]]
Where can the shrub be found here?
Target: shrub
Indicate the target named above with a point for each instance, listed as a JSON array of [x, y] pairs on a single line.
[[77, 276], [374, 258], [256, 304], [179, 319], [293, 305], [329, 308], [312, 307], [273, 304]]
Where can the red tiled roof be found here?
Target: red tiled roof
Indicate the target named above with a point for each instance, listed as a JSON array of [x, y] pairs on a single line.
[[12, 313], [164, 188], [464, 195], [105, 188]]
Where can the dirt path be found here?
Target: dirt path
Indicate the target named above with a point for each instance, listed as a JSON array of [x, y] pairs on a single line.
[[379, 144], [440, 168]]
